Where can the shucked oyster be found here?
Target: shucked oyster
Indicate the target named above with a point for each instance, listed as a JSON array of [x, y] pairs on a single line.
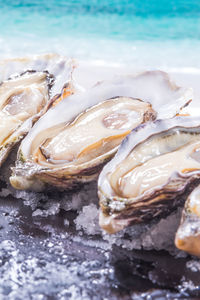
[[72, 141], [188, 234], [26, 96], [58, 66], [21, 99], [157, 165]]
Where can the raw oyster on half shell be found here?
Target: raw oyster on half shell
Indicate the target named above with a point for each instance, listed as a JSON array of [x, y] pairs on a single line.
[[22, 99], [155, 168], [188, 233], [25, 96], [58, 66], [72, 141]]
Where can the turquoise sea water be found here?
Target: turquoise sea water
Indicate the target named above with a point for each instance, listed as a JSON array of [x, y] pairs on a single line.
[[142, 32]]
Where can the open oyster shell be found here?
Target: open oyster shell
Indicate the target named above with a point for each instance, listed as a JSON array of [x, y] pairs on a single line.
[[58, 66], [155, 168], [22, 100], [188, 234], [25, 96], [71, 142]]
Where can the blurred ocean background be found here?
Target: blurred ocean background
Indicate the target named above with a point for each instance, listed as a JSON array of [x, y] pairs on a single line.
[[164, 34]]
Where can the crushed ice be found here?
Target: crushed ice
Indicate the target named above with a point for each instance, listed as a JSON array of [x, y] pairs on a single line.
[[157, 236], [88, 220], [31, 277]]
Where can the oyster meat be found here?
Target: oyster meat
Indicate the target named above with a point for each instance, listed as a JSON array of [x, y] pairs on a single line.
[[17, 112], [188, 234], [155, 168], [58, 66], [73, 140], [25, 96]]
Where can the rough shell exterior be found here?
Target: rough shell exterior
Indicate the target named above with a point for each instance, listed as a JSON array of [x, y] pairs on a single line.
[[116, 212]]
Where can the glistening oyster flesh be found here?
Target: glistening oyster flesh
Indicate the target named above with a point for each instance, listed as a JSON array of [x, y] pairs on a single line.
[[58, 66], [188, 233], [155, 168], [72, 141], [22, 100], [26, 95]]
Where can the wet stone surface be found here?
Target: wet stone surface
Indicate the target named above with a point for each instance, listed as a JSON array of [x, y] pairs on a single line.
[[47, 258]]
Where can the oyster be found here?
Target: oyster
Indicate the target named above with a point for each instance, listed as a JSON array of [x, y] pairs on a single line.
[[26, 96], [17, 112], [188, 234], [56, 65], [73, 147], [155, 168]]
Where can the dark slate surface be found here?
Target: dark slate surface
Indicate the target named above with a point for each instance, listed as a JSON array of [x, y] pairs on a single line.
[[40, 259]]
